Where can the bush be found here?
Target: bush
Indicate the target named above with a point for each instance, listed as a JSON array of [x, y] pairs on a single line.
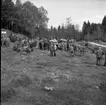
[[13, 38]]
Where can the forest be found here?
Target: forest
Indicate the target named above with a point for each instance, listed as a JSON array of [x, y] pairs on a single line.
[[29, 20]]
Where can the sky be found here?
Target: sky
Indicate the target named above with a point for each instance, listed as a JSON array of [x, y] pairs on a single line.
[[78, 10]]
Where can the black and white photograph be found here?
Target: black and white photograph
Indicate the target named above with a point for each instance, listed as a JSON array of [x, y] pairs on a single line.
[[53, 52]]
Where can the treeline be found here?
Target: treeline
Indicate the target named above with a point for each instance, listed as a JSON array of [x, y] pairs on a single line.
[[23, 18], [90, 31], [27, 19], [93, 31], [69, 31]]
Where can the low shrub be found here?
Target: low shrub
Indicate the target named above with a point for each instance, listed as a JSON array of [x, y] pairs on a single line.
[[13, 38]]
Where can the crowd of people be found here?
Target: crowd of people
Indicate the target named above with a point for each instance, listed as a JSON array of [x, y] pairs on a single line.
[[71, 46]]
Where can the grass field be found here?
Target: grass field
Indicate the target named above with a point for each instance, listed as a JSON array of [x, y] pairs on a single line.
[[75, 80]]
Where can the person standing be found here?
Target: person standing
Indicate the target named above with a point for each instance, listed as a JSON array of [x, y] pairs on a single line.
[[51, 49], [72, 50], [105, 59], [99, 54], [68, 45], [54, 49], [40, 45]]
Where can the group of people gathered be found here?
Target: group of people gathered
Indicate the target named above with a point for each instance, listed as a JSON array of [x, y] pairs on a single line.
[[23, 45], [73, 48], [70, 46]]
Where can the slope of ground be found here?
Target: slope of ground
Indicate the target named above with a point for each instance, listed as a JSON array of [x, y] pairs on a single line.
[[75, 80]]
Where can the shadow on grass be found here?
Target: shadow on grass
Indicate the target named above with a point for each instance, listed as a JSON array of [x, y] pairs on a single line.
[[23, 80], [7, 93]]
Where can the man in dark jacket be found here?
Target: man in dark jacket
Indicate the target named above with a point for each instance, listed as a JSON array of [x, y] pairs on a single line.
[[68, 45], [99, 54], [105, 59], [40, 45]]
